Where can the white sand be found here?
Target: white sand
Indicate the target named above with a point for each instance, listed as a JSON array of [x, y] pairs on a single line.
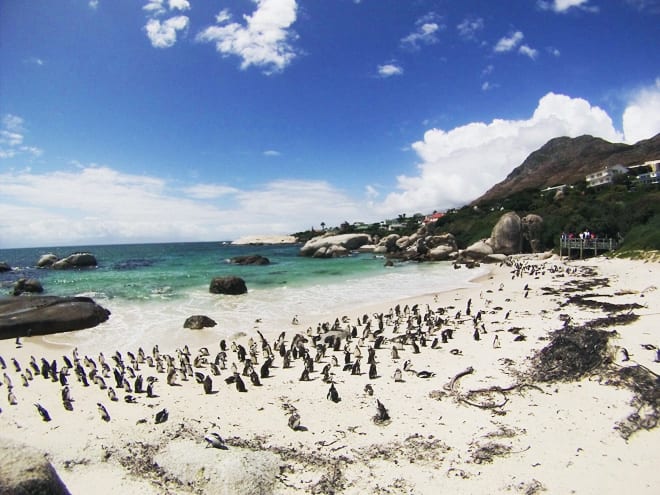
[[558, 437]]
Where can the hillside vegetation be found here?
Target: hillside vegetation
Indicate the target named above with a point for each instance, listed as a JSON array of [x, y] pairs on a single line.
[[618, 211]]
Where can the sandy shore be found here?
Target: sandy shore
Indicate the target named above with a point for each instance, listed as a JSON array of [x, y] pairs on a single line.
[[485, 412]]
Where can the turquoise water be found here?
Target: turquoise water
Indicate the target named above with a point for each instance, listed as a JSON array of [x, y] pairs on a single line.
[[148, 271], [150, 289]]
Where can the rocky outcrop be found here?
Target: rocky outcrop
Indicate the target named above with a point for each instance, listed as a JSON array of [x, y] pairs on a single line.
[[532, 228], [420, 246], [25, 470], [228, 285], [4, 267], [31, 285], [40, 315], [332, 246], [506, 236], [197, 322], [76, 260], [251, 259], [47, 260]]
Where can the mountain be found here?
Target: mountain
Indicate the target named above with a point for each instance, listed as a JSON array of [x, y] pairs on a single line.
[[567, 160]]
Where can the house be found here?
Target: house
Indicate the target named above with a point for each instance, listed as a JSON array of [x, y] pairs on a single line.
[[432, 217], [647, 172], [605, 176]]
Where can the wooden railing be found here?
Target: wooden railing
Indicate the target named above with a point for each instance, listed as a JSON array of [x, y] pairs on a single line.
[[597, 245]]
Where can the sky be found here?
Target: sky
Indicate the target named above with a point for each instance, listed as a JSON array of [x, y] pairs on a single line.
[[127, 121]]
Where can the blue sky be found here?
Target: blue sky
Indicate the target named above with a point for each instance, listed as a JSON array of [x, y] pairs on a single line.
[[183, 120]]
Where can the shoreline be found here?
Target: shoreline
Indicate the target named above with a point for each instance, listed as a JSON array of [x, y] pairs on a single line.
[[543, 437]]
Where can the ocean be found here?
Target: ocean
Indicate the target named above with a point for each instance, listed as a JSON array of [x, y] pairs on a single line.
[[151, 289]]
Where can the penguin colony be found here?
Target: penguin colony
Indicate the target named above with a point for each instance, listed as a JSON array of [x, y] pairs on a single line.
[[330, 350]]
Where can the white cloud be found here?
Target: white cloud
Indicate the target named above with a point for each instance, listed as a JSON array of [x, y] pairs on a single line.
[[459, 165], [164, 34], [264, 39], [48, 209], [209, 191], [93, 4], [388, 70], [154, 7], [179, 5], [12, 136], [506, 44], [425, 34], [469, 27], [272, 153], [528, 51], [641, 118], [562, 6]]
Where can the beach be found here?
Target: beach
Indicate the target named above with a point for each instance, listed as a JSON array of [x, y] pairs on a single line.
[[479, 406]]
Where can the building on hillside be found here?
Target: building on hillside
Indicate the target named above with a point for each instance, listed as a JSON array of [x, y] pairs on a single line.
[[647, 172], [605, 176], [556, 189], [436, 215]]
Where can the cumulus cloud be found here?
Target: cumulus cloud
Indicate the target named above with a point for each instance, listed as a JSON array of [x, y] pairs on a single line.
[[562, 6], [12, 136], [263, 41], [508, 43], [152, 209], [460, 164], [388, 70], [469, 27], [164, 34], [425, 34], [528, 51], [641, 118]]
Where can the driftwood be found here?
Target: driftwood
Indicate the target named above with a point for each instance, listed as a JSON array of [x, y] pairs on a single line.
[[452, 383]]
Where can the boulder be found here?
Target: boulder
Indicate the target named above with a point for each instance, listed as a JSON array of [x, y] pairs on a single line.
[[478, 250], [4, 267], [47, 260], [228, 285], [197, 322], [40, 315], [506, 237], [440, 253], [25, 470], [320, 245], [532, 228], [31, 285], [250, 259], [76, 260]]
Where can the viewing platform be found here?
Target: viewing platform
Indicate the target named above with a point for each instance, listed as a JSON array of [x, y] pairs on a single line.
[[597, 245]]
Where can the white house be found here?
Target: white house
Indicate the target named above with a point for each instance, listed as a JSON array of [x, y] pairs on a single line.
[[605, 176]]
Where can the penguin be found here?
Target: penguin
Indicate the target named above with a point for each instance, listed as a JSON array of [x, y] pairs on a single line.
[[368, 389], [214, 440], [398, 376], [304, 377], [208, 385], [355, 369], [395, 353], [240, 385], [103, 411], [496, 342], [112, 395], [382, 415], [294, 421], [265, 368], [17, 366], [373, 373], [162, 416], [254, 378], [333, 395], [43, 412]]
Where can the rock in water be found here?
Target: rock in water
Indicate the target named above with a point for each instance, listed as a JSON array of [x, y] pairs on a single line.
[[40, 315], [197, 322], [27, 285], [76, 260], [253, 259], [24, 469], [228, 285]]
